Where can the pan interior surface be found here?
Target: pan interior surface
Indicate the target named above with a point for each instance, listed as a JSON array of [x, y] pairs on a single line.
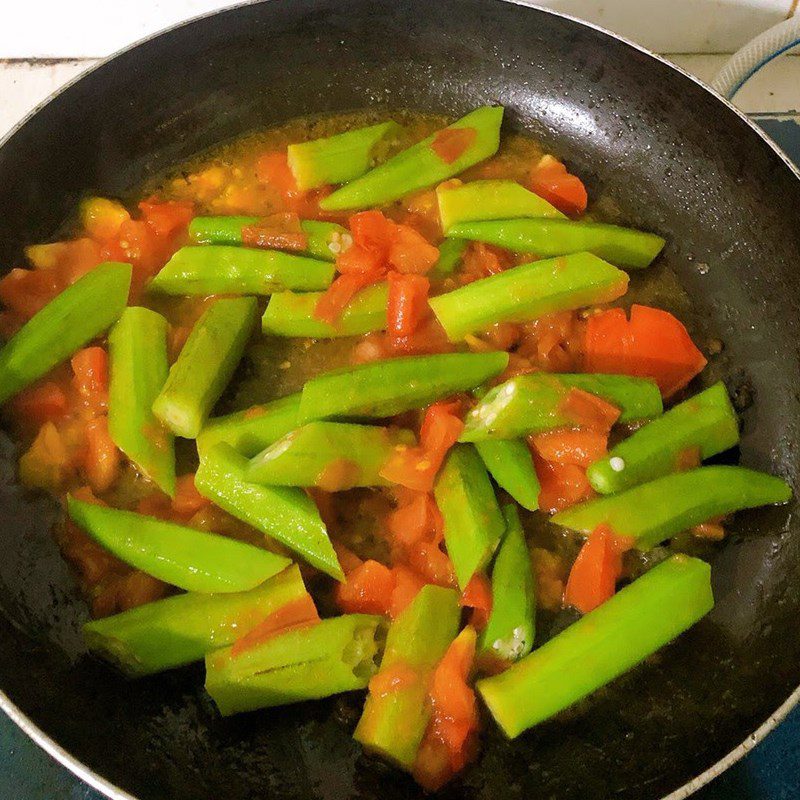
[[664, 151]]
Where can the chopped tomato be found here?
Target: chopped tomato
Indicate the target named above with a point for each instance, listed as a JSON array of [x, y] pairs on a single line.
[[562, 485], [581, 446], [416, 467], [594, 575], [273, 169], [102, 457], [40, 403], [451, 143], [367, 590], [69, 260], [588, 410], [410, 251], [90, 376], [429, 560], [188, 501], [348, 560], [478, 596], [102, 217], [26, 291], [357, 259], [429, 337], [652, 344], [481, 261], [549, 179], [47, 464], [406, 587], [166, 217], [297, 613], [336, 297], [373, 231], [138, 244], [553, 342], [449, 741], [407, 303], [414, 521]]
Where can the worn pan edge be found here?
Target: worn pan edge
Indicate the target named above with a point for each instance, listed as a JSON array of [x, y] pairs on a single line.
[[113, 792]]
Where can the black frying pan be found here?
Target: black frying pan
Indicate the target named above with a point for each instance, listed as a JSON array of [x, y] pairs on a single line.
[[673, 156]]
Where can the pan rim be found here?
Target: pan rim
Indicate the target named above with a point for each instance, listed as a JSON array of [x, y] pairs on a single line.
[[114, 792]]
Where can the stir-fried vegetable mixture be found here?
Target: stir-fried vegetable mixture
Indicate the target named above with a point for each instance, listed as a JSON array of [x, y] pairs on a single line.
[[451, 421]]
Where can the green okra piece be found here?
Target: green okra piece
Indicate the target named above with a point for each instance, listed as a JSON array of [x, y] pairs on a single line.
[[602, 645], [528, 291], [138, 367], [510, 463], [179, 630], [535, 403], [337, 159], [394, 722], [653, 512], [253, 429], [228, 230], [451, 251], [386, 388], [706, 422], [182, 556], [205, 365], [292, 314], [473, 522], [226, 269], [284, 513], [70, 320], [489, 200], [307, 663], [510, 630], [624, 247], [331, 455], [420, 166]]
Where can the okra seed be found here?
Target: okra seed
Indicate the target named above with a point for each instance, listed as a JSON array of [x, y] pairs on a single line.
[[617, 464]]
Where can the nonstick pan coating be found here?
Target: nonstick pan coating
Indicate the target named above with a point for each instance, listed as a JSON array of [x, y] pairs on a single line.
[[672, 156]]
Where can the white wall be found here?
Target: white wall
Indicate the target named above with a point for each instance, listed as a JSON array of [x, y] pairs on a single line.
[[92, 28]]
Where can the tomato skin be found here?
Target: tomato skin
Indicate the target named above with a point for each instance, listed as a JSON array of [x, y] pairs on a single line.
[[451, 143], [407, 303], [594, 575], [336, 297], [587, 410], [549, 179], [296, 614], [651, 344]]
